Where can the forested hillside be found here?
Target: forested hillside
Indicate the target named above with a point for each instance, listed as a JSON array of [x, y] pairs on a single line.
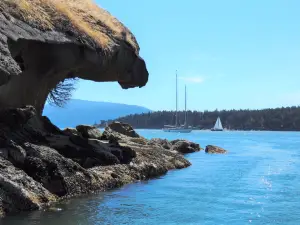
[[266, 119]]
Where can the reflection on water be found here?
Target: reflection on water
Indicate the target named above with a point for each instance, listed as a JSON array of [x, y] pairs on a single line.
[[256, 183]]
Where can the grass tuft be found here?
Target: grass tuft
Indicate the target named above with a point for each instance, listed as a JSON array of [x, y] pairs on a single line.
[[84, 15]]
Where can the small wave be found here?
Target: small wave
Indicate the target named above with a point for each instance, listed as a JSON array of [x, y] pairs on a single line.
[[267, 182]]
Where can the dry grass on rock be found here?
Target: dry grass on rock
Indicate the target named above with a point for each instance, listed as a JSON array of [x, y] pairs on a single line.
[[84, 15]]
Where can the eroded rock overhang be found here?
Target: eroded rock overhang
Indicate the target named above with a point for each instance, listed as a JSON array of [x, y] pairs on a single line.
[[34, 61]]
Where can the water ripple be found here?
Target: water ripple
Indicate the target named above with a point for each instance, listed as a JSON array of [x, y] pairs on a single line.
[[256, 183]]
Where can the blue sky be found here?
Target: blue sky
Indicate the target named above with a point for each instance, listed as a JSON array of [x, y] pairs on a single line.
[[230, 54]]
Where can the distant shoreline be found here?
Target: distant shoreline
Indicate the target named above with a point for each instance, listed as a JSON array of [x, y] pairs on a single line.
[[279, 119], [212, 131]]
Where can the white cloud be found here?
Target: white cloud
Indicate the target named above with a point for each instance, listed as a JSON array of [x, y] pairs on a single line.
[[193, 79]]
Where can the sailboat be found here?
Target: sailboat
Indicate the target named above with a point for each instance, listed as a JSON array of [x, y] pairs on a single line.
[[218, 125], [178, 128]]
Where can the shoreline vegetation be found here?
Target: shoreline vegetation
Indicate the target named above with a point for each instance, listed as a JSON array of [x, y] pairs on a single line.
[[278, 119]]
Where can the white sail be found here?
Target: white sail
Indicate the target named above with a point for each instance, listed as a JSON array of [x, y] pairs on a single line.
[[218, 125]]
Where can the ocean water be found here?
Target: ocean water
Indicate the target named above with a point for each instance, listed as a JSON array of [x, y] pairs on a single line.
[[257, 182]]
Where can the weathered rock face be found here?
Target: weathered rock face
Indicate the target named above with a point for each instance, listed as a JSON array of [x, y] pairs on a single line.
[[18, 191], [160, 142], [71, 131], [214, 150], [184, 146], [45, 42], [89, 131], [39, 163], [42, 43], [59, 175], [115, 133], [181, 146], [123, 128]]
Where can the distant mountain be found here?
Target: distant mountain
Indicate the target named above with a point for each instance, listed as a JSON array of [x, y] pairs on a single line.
[[88, 112]]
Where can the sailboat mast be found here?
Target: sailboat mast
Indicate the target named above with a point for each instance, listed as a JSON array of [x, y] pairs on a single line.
[[176, 103], [185, 113]]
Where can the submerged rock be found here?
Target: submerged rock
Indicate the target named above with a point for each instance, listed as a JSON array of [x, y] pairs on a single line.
[[214, 150]]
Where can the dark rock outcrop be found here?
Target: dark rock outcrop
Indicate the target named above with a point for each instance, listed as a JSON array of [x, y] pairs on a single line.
[[40, 163], [80, 149], [42, 43], [71, 131], [181, 146], [87, 131], [59, 175], [160, 142], [123, 128], [18, 191], [214, 150], [184, 146], [122, 132]]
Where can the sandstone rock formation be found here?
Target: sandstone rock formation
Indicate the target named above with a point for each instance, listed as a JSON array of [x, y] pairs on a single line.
[[214, 150], [39, 163], [42, 43]]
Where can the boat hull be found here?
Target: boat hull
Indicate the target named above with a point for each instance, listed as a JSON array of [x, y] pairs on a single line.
[[216, 129], [178, 130]]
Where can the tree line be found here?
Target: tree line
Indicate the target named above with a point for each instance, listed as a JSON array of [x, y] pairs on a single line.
[[279, 119]]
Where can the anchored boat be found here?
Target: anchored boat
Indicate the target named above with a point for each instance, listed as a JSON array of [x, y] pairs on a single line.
[[178, 128]]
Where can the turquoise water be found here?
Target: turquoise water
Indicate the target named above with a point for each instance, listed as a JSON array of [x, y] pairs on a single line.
[[258, 182]]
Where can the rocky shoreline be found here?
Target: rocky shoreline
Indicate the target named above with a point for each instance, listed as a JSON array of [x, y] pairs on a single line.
[[40, 164], [42, 46]]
